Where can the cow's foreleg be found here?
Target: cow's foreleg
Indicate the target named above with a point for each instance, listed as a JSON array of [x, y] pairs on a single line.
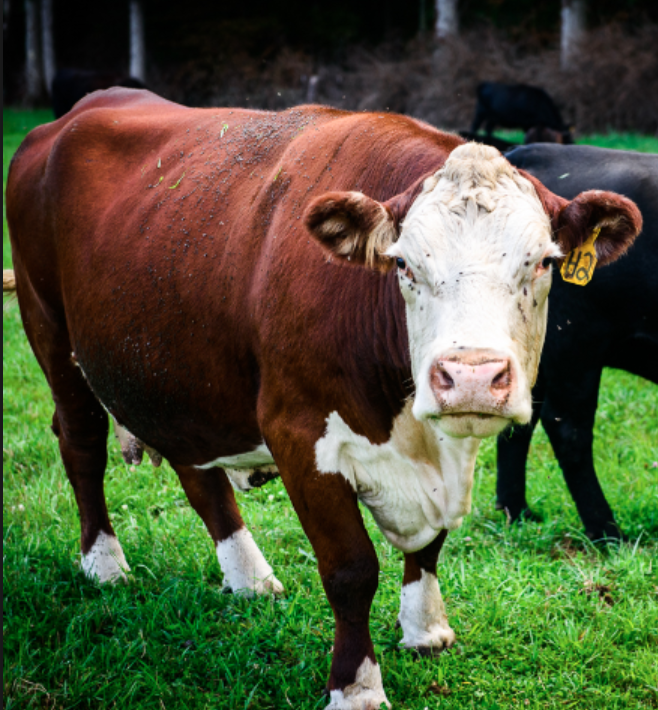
[[422, 612], [211, 495], [329, 513]]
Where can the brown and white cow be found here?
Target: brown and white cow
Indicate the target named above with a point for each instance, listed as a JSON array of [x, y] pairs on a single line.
[[350, 300]]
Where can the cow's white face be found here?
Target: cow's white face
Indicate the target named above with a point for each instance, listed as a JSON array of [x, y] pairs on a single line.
[[473, 256], [473, 261]]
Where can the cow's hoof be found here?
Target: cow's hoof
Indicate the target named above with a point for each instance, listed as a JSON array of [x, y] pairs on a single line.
[[366, 693], [105, 562], [429, 642], [519, 514], [262, 587], [606, 535], [270, 586], [428, 651]]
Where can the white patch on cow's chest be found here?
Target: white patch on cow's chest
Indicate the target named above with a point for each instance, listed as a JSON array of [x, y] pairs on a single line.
[[416, 484], [242, 468]]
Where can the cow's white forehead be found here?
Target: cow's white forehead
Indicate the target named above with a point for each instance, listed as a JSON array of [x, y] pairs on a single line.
[[476, 209]]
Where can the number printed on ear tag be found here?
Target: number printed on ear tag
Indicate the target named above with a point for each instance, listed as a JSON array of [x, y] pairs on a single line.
[[578, 267]]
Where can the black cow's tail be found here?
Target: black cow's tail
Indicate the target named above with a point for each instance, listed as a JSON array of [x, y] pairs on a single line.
[[8, 281]]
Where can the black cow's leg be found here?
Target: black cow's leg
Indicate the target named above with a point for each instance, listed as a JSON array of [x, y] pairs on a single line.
[[568, 418], [211, 495], [329, 513], [81, 426], [512, 456], [422, 612]]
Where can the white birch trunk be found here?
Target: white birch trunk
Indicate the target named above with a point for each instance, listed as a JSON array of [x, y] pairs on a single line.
[[33, 80], [137, 50], [47, 43], [573, 17], [447, 19]]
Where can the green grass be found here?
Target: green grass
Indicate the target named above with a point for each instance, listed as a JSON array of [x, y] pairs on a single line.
[[613, 139], [533, 631]]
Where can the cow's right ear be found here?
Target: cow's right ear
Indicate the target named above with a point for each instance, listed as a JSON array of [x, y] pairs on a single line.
[[353, 227]]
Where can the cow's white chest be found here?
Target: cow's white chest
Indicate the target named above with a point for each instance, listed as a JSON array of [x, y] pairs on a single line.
[[416, 484]]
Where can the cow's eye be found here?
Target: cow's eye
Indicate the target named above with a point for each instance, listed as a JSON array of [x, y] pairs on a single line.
[[546, 262], [402, 264]]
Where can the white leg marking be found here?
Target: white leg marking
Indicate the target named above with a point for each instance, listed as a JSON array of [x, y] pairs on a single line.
[[105, 562], [423, 616], [366, 693], [245, 569]]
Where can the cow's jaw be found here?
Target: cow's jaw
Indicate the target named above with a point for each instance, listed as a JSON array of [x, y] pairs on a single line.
[[472, 247]]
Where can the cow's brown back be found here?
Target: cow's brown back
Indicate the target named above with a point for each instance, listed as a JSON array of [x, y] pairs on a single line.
[[170, 240]]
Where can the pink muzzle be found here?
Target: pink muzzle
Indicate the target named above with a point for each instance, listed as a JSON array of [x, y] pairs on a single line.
[[475, 381]]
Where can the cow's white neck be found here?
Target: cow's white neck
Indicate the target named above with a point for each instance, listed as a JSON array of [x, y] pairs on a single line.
[[416, 484]]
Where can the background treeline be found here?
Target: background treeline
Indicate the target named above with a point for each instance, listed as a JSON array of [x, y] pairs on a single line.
[[363, 54]]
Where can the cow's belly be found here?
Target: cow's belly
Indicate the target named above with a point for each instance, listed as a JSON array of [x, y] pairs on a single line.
[[247, 470], [416, 484]]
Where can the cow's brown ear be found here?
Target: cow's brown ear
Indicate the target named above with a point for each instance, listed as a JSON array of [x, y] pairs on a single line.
[[618, 218], [353, 227]]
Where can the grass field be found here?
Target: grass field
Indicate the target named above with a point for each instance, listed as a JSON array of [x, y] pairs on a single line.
[[543, 619]]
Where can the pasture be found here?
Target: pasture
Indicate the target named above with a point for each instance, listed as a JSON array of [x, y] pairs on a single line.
[[543, 618]]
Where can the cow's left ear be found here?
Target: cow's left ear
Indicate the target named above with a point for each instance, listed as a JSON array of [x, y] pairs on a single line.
[[573, 222], [353, 227], [617, 217]]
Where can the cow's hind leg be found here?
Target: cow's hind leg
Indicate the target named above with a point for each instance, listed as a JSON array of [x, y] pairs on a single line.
[[422, 612], [81, 426], [211, 495], [568, 418], [83, 445]]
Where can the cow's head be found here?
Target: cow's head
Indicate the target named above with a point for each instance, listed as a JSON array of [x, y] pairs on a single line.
[[473, 248]]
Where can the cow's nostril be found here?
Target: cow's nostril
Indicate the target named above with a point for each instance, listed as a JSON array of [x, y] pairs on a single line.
[[503, 380], [441, 379]]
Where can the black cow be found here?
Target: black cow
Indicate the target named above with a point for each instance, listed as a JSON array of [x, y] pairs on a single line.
[[517, 106], [71, 85], [611, 322]]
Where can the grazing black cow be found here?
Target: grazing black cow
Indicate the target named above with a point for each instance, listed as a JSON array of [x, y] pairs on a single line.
[[612, 322], [71, 85], [516, 106]]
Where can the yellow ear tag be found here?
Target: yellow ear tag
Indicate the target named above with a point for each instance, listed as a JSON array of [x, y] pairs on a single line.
[[578, 267]]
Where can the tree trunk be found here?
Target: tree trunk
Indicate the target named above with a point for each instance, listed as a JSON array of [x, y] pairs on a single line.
[[422, 17], [6, 10], [447, 19], [33, 81], [573, 27], [137, 51], [47, 43]]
